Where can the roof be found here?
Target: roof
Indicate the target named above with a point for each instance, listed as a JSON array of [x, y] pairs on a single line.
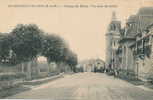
[[145, 11], [131, 25], [132, 19], [140, 21]]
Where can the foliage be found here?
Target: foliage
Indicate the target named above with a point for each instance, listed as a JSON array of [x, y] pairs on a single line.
[[53, 48], [27, 42], [5, 47], [71, 60], [56, 50]]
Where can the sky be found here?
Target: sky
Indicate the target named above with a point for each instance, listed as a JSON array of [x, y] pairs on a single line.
[[83, 29]]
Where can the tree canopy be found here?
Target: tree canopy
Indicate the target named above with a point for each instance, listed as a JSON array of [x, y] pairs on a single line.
[[53, 47], [5, 47], [26, 42]]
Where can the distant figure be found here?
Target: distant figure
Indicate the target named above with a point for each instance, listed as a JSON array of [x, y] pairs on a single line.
[[116, 73]]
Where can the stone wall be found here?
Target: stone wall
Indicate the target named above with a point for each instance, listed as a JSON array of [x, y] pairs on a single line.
[[6, 69]]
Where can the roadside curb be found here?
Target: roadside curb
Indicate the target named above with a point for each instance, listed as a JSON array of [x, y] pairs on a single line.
[[145, 88], [138, 83], [41, 81], [21, 88]]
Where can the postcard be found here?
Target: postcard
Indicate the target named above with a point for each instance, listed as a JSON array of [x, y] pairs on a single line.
[[76, 49]]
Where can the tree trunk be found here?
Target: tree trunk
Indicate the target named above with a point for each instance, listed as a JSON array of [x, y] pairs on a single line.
[[38, 70], [59, 67], [29, 70], [22, 67]]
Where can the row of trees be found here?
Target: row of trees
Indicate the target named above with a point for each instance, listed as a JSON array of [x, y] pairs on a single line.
[[26, 42]]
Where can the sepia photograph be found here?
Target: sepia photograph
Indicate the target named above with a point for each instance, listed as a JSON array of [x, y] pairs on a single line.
[[76, 49]]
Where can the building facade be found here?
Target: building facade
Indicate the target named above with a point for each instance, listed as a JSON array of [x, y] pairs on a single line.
[[112, 38], [134, 53], [91, 64]]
